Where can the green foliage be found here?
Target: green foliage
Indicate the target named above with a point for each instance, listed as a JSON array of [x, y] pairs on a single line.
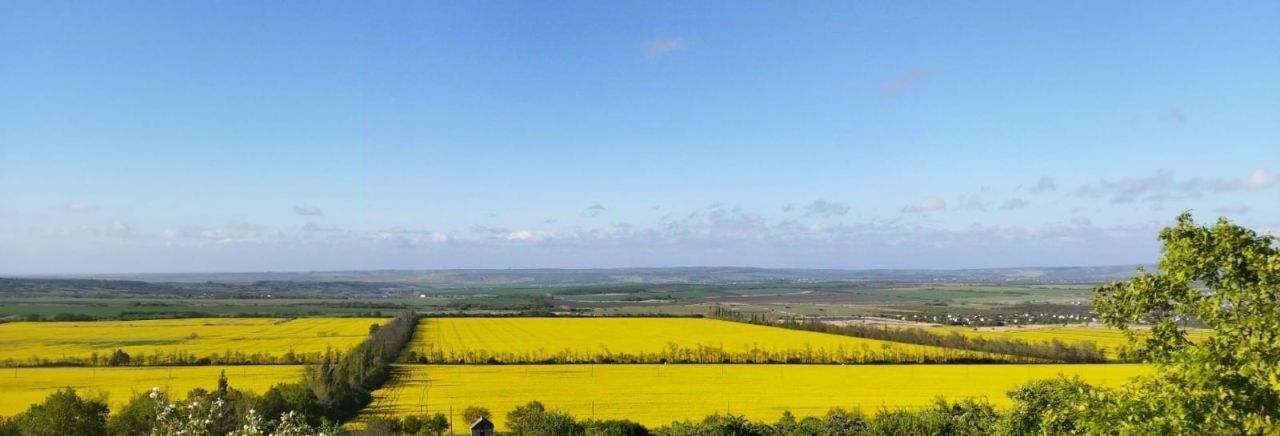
[[289, 397], [435, 425], [717, 425], [472, 413], [1047, 407], [63, 413], [534, 419], [137, 417], [344, 384], [614, 427], [1228, 278], [118, 358]]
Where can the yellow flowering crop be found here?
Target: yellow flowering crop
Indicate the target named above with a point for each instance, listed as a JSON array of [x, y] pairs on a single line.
[[659, 394], [23, 387], [652, 340], [1108, 340], [160, 342]]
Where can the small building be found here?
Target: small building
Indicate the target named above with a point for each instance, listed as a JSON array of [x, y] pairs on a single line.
[[482, 427]]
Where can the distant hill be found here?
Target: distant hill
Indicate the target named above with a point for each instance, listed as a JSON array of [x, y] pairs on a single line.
[[681, 275]]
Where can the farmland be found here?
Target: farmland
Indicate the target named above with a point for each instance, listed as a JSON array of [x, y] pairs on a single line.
[[659, 394], [650, 340], [179, 341], [25, 386], [1109, 340]]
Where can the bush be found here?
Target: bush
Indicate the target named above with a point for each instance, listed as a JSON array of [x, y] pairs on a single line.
[[64, 413], [534, 419]]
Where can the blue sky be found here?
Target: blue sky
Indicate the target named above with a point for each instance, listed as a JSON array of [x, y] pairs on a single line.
[[252, 136]]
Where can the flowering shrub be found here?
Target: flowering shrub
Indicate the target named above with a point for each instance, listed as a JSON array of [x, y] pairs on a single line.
[[199, 416]]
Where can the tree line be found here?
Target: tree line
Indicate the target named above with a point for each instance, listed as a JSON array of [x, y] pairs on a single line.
[[344, 384], [120, 357], [704, 354], [1017, 350]]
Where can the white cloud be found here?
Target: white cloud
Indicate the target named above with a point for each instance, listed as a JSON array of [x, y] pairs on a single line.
[[78, 207], [826, 208], [659, 47], [1259, 179], [1045, 184], [1014, 204], [594, 210], [931, 204], [1234, 208], [1164, 186], [307, 211]]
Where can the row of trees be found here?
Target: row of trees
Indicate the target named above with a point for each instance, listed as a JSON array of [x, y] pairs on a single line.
[[344, 383], [998, 349], [170, 358], [675, 353]]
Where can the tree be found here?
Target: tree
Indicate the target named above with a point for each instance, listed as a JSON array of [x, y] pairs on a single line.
[[614, 427], [718, 425], [436, 425], [1047, 407], [118, 358], [137, 417], [64, 413], [287, 397], [1228, 278], [534, 419], [472, 413]]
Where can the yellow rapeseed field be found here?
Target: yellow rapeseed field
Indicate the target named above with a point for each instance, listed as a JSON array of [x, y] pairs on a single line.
[[659, 394], [22, 387], [159, 342], [649, 340], [1108, 340]]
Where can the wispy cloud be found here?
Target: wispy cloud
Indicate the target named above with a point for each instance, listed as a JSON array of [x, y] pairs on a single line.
[[1164, 186], [1045, 184], [1234, 208], [1174, 115], [659, 47], [1258, 179], [593, 210], [931, 204], [78, 207], [301, 210], [1014, 204], [897, 85], [826, 208]]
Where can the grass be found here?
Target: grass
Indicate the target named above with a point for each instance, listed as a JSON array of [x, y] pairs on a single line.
[[648, 340], [659, 394], [25, 386], [35, 343]]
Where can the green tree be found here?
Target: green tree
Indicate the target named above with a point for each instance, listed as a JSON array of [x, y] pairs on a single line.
[[63, 413], [118, 358], [436, 425], [1228, 278], [533, 419], [137, 417], [840, 422], [411, 425], [614, 427], [1047, 407], [472, 413], [716, 425], [286, 397]]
